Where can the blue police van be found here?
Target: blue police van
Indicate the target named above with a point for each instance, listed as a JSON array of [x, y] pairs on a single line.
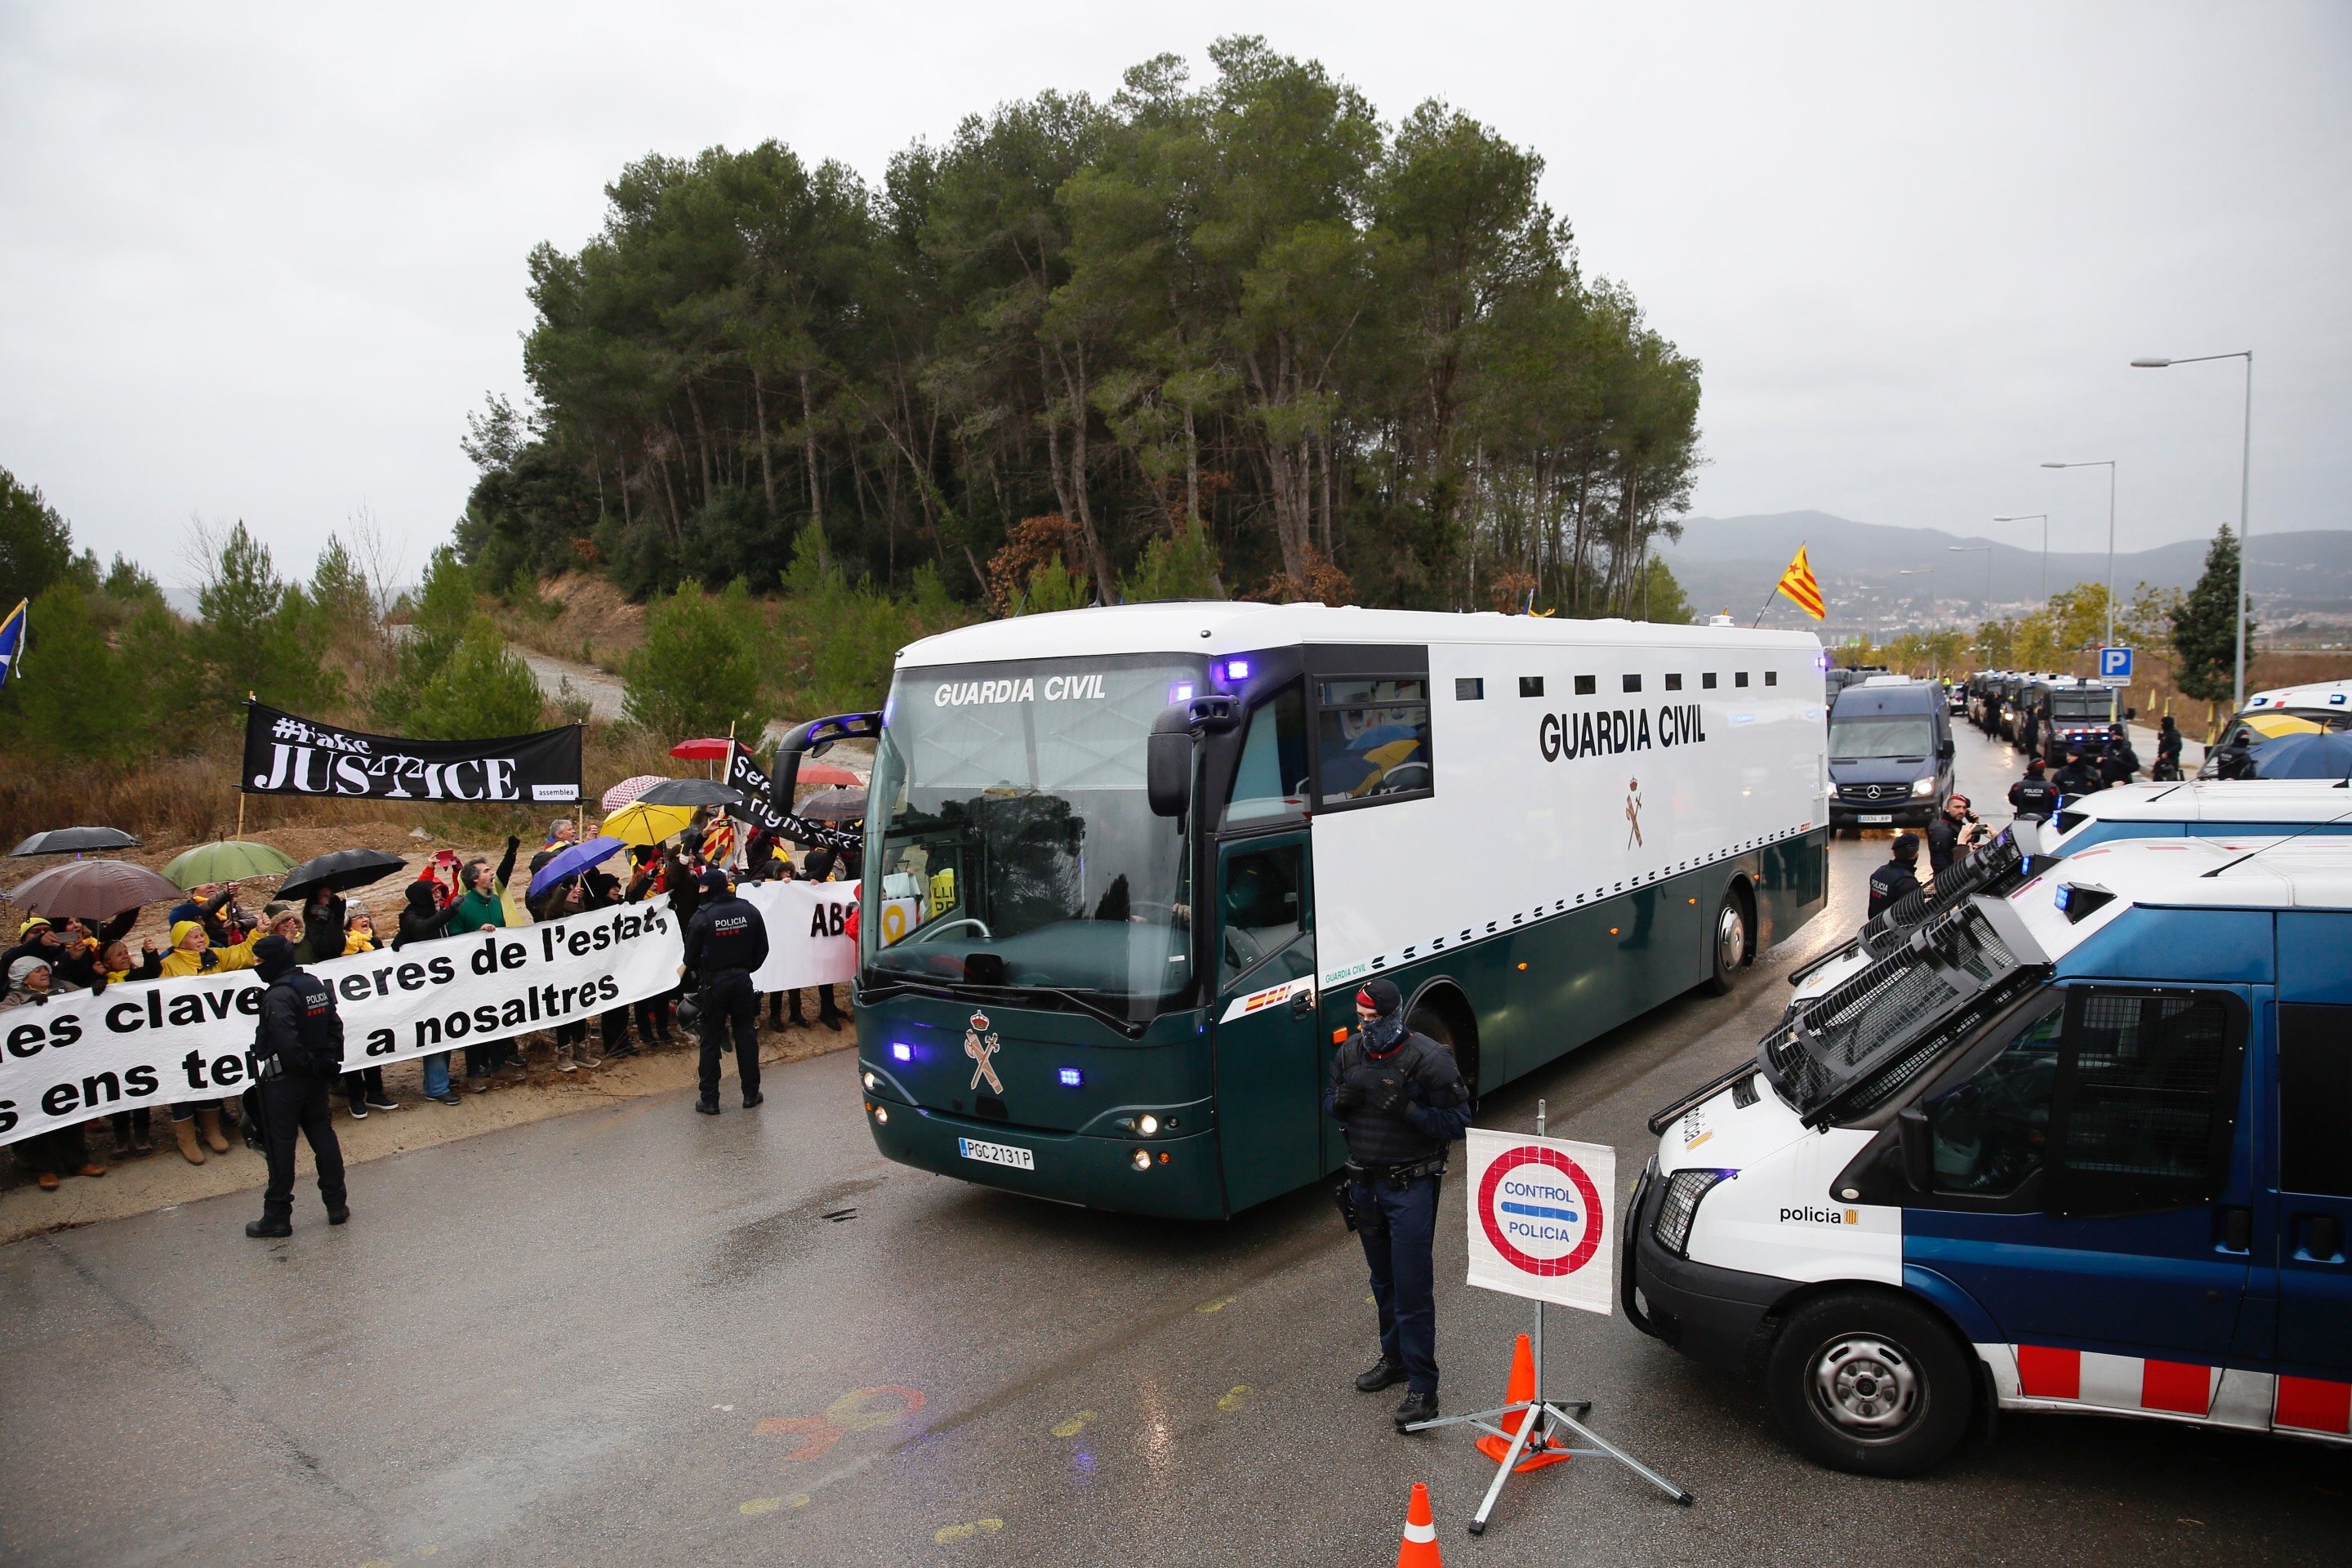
[[2083, 1146]]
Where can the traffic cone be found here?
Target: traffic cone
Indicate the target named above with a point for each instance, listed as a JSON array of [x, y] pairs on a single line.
[[1521, 1389], [1419, 1547]]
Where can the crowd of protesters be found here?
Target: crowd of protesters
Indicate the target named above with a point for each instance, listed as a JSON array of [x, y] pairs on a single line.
[[210, 933]]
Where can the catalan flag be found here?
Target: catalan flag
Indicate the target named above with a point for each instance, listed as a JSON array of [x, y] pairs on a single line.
[[1798, 583]]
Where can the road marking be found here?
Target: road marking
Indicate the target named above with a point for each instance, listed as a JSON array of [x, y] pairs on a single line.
[[853, 1412], [1220, 1304], [1075, 1424], [955, 1532], [759, 1505], [1236, 1397]]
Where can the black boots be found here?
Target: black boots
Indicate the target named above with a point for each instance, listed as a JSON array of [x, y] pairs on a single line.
[[707, 1107], [265, 1229], [1416, 1407], [1382, 1374]]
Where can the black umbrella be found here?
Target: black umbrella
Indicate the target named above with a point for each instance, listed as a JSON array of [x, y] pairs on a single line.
[[341, 871], [74, 841], [839, 804], [692, 792]]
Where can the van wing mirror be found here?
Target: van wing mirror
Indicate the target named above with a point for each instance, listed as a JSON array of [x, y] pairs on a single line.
[[1917, 1142]]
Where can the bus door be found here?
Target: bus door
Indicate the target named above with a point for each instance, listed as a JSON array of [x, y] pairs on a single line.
[[1269, 1110]]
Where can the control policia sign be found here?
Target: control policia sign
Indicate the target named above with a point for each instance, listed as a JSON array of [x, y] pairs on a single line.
[[289, 755], [1543, 1218]]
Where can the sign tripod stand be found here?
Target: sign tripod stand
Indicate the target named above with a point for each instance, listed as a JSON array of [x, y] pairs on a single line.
[[1538, 1425]]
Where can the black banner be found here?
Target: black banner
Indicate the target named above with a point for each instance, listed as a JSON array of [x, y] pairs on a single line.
[[743, 773], [287, 755]]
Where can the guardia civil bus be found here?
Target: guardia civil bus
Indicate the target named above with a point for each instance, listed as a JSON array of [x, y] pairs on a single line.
[[1125, 866]]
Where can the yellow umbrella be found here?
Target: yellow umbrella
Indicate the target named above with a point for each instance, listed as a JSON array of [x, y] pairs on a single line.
[[2276, 724], [641, 823]]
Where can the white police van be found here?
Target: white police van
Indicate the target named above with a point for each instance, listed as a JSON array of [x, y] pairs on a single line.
[[2087, 1146]]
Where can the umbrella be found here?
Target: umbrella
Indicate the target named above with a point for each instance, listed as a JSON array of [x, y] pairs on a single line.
[[341, 871], [828, 773], [2327, 756], [1382, 734], [230, 860], [93, 890], [692, 792], [570, 860], [837, 804], [639, 823], [628, 790], [74, 840], [708, 750]]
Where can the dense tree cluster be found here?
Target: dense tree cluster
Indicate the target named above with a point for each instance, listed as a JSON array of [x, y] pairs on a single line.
[[1235, 337]]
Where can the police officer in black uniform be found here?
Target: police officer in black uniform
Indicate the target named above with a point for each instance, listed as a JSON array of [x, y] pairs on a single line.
[[2077, 778], [725, 941], [2033, 797], [1401, 1100], [1898, 878], [298, 1049]]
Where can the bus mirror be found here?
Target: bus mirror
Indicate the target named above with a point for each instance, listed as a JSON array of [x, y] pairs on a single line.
[[1168, 762], [1918, 1149]]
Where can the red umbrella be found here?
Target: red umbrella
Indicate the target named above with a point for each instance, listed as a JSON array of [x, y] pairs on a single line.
[[709, 750], [830, 774]]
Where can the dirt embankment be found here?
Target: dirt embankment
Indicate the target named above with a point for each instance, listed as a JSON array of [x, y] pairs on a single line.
[[579, 616]]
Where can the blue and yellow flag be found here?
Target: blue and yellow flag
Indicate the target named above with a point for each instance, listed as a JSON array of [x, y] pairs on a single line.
[[12, 640]]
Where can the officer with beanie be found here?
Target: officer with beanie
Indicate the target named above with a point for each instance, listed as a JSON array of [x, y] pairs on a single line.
[[298, 1049], [725, 941], [1400, 1099], [1898, 878]]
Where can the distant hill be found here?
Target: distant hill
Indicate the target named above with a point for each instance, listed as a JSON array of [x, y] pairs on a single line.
[[1874, 576]]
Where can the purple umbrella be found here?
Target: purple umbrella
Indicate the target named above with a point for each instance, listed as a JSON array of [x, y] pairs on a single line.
[[570, 860]]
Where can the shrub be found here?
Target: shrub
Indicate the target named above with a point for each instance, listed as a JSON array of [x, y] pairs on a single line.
[[698, 671], [484, 689]]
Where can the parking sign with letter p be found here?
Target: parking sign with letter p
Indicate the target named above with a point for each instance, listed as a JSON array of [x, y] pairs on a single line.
[[2114, 664]]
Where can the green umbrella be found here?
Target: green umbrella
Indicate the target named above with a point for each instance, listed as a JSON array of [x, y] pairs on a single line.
[[230, 860]]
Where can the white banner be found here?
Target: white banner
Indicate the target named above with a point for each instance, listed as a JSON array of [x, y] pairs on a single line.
[[155, 1042], [1543, 1218], [808, 943]]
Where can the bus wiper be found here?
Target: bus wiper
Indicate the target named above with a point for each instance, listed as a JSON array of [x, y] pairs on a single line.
[[948, 990], [1076, 995]]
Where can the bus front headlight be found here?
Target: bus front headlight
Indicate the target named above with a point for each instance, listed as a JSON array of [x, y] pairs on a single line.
[[1679, 1207]]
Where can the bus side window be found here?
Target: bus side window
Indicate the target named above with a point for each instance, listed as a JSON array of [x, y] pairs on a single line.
[[1372, 739], [1990, 1132], [1271, 779], [1264, 907]]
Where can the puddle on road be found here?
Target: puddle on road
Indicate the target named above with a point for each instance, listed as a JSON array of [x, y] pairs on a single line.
[[755, 1247]]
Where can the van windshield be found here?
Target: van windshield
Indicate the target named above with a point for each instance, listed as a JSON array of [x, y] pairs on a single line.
[[2080, 705], [1013, 841], [1908, 735]]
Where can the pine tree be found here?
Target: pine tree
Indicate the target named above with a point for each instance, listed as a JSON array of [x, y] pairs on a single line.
[[2205, 627]]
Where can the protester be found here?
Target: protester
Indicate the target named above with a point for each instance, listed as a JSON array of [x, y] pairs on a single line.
[[601, 889], [300, 1045], [323, 914], [212, 905], [1897, 879], [647, 871], [558, 899], [425, 918], [62, 1151], [817, 866], [726, 942], [482, 907], [192, 952], [362, 1088], [37, 938], [1953, 833]]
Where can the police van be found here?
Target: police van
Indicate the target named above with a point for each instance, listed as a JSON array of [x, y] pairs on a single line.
[[2286, 710], [2083, 1147], [2199, 808]]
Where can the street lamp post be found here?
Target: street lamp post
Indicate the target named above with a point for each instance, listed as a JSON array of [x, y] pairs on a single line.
[[1963, 550], [2245, 480], [2044, 518], [2109, 464]]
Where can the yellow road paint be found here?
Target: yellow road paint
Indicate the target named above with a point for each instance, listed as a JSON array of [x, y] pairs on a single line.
[[1219, 1305], [759, 1505], [955, 1532], [1075, 1424], [1236, 1397]]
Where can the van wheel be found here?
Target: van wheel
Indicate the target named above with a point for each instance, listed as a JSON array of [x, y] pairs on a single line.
[[1727, 945], [1870, 1384]]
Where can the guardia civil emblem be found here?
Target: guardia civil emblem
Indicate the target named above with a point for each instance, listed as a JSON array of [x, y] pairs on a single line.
[[979, 1046]]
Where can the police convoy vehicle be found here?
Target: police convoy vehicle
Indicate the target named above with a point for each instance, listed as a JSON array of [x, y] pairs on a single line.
[[1124, 866], [2288, 710], [2084, 1146]]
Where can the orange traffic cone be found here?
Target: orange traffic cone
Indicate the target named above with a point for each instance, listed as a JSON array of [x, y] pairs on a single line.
[[1419, 1548], [1521, 1389]]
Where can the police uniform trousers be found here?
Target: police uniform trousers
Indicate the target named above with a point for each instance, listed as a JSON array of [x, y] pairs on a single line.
[[1404, 1284], [728, 1002], [296, 1101]]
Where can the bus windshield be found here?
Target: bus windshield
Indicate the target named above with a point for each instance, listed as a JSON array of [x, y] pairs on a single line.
[[1897, 735], [1012, 839]]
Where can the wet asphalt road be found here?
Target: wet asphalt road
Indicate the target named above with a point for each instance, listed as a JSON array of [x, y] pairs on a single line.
[[640, 1336]]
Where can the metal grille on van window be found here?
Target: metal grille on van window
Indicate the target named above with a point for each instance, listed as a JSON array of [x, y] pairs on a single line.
[[1873, 1020]]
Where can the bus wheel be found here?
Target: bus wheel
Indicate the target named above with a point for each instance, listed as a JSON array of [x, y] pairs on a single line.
[[1728, 944], [1436, 1022], [1870, 1382]]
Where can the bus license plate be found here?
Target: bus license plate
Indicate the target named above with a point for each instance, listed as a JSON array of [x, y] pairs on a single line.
[[1880, 819], [997, 1154]]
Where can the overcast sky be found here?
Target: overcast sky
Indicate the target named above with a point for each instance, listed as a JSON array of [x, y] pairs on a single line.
[[259, 261]]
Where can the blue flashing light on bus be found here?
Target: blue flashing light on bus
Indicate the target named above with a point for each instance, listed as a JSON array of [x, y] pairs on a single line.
[[1180, 693], [1237, 670], [1072, 1078], [902, 1051]]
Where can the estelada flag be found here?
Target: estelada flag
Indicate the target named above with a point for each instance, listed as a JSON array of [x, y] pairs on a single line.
[[12, 640], [1797, 582]]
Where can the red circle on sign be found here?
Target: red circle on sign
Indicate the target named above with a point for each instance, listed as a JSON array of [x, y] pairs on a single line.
[[1526, 1262]]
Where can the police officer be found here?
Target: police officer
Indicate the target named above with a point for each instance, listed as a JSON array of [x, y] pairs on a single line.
[[299, 1047], [2117, 761], [2077, 778], [2167, 752], [1399, 1098], [1897, 877], [726, 940], [2033, 797]]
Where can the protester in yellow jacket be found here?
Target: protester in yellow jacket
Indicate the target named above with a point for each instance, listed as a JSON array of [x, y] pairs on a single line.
[[192, 952]]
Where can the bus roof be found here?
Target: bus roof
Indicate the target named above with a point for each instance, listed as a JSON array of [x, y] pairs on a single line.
[[1211, 627]]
